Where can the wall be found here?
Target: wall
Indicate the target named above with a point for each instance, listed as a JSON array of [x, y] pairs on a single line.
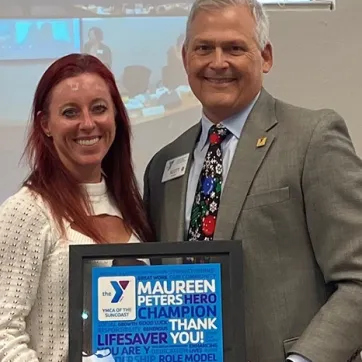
[[318, 61]]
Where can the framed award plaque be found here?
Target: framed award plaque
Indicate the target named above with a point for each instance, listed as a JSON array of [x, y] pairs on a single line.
[[156, 302]]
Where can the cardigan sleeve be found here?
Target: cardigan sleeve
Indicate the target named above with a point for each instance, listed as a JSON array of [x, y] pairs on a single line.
[[24, 233]]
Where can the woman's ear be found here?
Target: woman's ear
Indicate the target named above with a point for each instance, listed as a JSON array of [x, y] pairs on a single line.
[[44, 123]]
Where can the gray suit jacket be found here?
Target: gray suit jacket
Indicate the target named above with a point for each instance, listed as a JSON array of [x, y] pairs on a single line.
[[296, 204]]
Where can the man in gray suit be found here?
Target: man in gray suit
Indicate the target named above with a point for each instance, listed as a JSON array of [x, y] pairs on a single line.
[[291, 191]]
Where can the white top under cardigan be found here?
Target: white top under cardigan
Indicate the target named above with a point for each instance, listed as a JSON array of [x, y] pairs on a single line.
[[34, 274]]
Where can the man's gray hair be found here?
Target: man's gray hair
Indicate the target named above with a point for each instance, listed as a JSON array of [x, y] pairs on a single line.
[[257, 9]]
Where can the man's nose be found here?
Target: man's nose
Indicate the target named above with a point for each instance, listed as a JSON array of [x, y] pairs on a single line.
[[219, 59]]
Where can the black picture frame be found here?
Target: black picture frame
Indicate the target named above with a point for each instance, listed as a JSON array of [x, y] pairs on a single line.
[[231, 276]]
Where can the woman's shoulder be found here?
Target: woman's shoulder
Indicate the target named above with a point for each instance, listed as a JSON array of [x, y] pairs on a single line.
[[25, 205], [25, 219]]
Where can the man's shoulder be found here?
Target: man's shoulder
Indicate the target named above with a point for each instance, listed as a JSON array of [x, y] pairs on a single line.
[[174, 148], [296, 115]]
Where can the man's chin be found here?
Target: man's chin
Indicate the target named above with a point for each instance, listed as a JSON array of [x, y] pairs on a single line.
[[216, 105], [219, 111]]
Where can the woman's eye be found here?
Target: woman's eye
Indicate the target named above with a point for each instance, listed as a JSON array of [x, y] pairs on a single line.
[[99, 109], [70, 113]]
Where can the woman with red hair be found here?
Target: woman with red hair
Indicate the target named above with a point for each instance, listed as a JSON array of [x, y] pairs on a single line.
[[81, 190]]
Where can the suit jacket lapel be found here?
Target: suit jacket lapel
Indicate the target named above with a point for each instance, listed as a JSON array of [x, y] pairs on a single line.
[[175, 190], [245, 164]]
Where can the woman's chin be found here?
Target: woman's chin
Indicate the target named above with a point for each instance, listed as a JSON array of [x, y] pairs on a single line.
[[90, 160]]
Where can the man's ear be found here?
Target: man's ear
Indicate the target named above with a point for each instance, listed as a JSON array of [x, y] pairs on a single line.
[[184, 57], [267, 54], [44, 123]]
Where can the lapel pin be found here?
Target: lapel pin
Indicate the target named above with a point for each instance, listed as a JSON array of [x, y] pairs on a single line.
[[261, 142]]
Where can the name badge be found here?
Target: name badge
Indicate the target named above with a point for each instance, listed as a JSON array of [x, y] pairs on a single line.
[[175, 167]]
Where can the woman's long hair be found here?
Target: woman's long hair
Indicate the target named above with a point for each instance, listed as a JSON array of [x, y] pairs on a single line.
[[50, 178]]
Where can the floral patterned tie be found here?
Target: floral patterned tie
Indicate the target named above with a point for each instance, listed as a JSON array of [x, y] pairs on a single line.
[[207, 198]]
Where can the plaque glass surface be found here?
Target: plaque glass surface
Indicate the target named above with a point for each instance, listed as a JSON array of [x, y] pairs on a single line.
[[156, 302]]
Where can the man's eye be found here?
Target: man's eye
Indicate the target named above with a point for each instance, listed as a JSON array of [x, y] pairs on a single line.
[[237, 49], [203, 47]]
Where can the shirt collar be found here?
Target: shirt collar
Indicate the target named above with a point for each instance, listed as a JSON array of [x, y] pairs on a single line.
[[234, 123]]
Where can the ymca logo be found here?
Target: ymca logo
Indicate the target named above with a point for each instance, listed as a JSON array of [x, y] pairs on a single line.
[[119, 288], [116, 298]]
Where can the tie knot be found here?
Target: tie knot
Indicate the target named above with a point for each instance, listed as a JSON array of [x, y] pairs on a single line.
[[217, 134]]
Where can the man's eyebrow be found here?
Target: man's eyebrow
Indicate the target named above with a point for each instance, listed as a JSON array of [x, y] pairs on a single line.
[[224, 43]]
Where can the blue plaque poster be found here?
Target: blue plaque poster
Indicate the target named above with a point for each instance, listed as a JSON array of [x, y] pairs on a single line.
[[157, 313]]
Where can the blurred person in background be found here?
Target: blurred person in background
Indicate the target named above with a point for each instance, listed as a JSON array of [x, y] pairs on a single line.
[[96, 47]]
